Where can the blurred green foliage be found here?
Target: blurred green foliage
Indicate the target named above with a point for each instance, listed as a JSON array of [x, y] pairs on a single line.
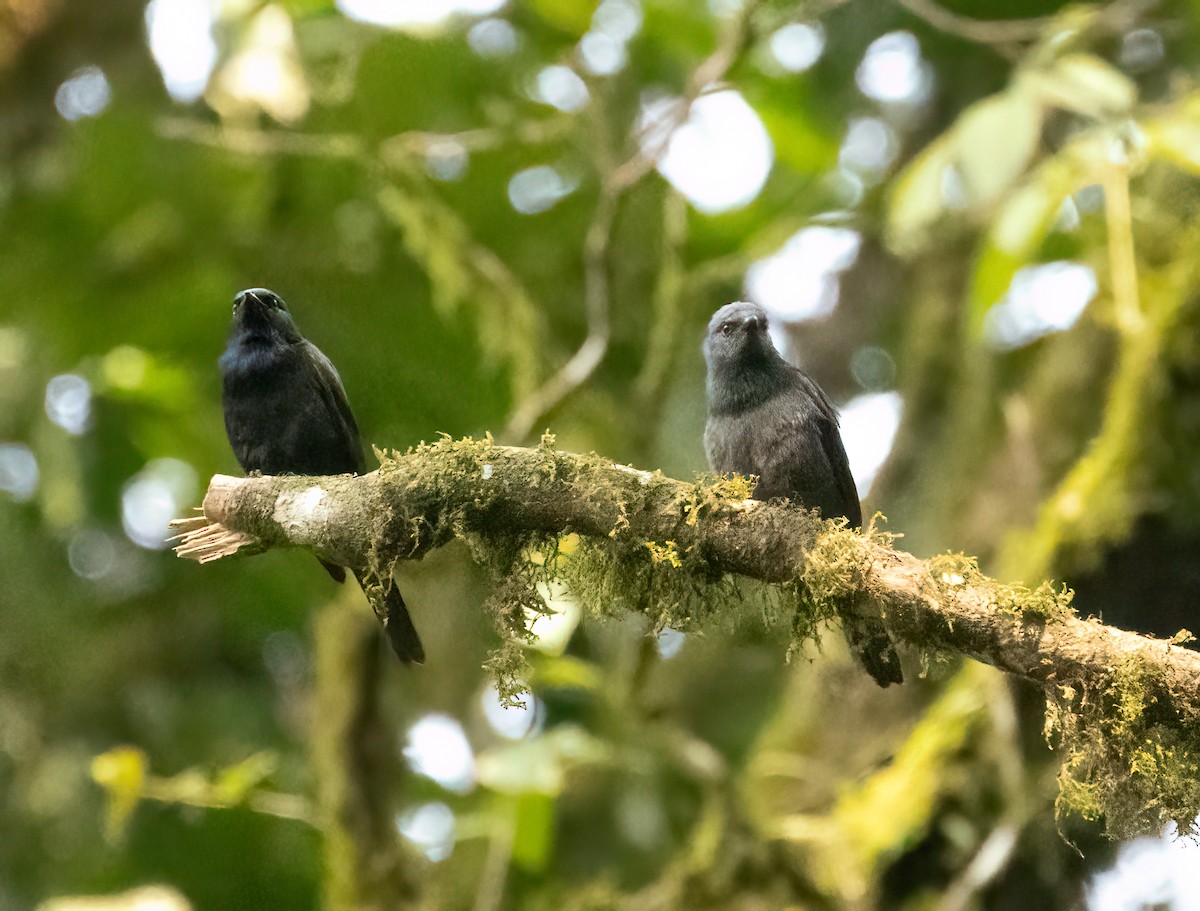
[[720, 777]]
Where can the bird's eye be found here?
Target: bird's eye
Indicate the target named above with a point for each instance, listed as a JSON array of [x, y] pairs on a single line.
[[726, 328]]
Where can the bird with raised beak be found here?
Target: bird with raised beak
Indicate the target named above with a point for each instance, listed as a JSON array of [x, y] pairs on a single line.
[[286, 412]]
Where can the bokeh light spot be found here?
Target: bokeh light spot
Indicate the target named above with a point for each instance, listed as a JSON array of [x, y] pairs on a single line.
[[560, 87], [1141, 50], [1041, 300], [801, 280], [873, 368], [719, 158], [492, 38], [892, 70], [266, 73], [69, 402], [286, 659], [14, 348], [538, 189], [438, 748], [618, 19], [602, 54], [511, 722], [446, 159], [430, 827], [182, 44], [798, 46], [18, 471], [725, 9], [84, 94], [640, 817], [869, 423], [125, 367], [614, 23], [669, 642], [1161, 872], [870, 146], [414, 13], [91, 553], [153, 497]]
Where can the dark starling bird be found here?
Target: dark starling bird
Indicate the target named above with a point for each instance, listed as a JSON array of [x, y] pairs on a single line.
[[768, 418], [286, 413]]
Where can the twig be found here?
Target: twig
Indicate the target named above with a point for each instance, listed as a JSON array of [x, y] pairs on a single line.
[[1122, 257], [262, 142], [583, 363], [704, 80], [999, 31], [1007, 32], [490, 894], [668, 298], [269, 803], [587, 357], [987, 863]]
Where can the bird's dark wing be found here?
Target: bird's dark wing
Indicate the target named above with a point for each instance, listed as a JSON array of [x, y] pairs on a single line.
[[835, 453], [824, 422], [329, 391], [792, 460], [866, 635]]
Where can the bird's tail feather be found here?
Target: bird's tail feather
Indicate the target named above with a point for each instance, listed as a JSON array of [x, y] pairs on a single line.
[[872, 646], [399, 627], [392, 612]]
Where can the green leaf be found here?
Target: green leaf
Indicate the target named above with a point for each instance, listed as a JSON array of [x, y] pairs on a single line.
[[1175, 136], [916, 200], [995, 140], [234, 784], [122, 774], [1085, 84], [539, 765], [1024, 219], [534, 836], [131, 374], [302, 8], [567, 672], [1015, 235], [573, 16], [1026, 216], [803, 141]]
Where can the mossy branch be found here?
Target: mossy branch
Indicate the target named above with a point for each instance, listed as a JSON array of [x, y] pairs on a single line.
[[1124, 708]]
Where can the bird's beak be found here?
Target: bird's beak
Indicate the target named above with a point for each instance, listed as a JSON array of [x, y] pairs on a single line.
[[249, 300], [251, 310]]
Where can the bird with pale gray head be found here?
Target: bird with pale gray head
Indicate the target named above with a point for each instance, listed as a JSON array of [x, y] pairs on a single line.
[[769, 419]]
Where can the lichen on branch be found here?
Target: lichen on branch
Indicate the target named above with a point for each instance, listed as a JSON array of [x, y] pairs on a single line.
[[1124, 709]]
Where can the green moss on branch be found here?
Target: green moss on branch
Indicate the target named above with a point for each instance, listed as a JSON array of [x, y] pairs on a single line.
[[1121, 707]]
